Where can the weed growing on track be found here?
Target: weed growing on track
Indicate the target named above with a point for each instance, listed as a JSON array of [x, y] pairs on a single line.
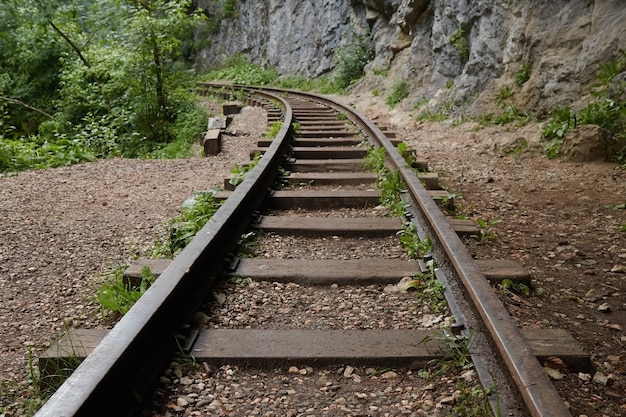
[[238, 173], [486, 232], [470, 399], [117, 295], [273, 130], [182, 228], [413, 245]]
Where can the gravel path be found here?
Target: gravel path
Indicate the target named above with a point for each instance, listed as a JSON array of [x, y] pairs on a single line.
[[62, 228]]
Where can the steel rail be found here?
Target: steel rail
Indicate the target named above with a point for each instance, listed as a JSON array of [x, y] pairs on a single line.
[[532, 382], [116, 376]]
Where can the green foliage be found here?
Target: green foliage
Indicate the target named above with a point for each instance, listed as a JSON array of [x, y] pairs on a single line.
[[238, 173], [516, 287], [182, 228], [273, 130], [18, 155], [238, 70], [472, 401], [352, 59], [561, 121], [487, 232], [230, 9], [120, 91], [523, 74], [510, 114], [399, 91], [413, 245], [389, 183], [117, 295], [407, 153], [458, 360], [608, 111], [449, 84], [503, 93], [459, 41]]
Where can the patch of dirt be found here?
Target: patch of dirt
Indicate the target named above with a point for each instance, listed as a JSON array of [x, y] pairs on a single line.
[[560, 219], [61, 228]]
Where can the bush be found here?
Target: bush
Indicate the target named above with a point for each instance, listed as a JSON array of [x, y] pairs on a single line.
[[399, 91], [352, 60]]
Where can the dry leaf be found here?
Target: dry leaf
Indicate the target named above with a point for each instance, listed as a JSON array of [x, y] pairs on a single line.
[[555, 363]]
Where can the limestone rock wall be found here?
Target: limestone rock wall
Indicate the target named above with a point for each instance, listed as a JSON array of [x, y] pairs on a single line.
[[450, 52]]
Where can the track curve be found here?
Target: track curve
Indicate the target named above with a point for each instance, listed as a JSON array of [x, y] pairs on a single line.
[[120, 364]]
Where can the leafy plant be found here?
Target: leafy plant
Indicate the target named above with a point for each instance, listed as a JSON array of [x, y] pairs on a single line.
[[487, 232], [449, 84], [607, 111], [229, 9], [399, 91], [407, 153], [390, 183], [516, 287], [182, 228], [523, 74], [503, 93], [413, 245], [238, 70], [459, 41], [561, 121], [352, 59], [458, 360], [273, 130], [118, 296], [246, 245], [238, 173], [472, 401]]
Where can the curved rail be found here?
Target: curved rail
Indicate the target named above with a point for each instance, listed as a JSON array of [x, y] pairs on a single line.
[[128, 358], [531, 381], [114, 378]]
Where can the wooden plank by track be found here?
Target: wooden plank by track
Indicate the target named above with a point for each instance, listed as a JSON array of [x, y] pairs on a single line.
[[353, 226], [406, 348], [309, 346], [327, 271]]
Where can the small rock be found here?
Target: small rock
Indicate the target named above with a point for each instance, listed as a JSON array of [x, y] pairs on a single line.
[[584, 377], [601, 379], [186, 381], [293, 370], [348, 371], [220, 297], [595, 294], [618, 269], [182, 402], [615, 326], [389, 375], [604, 308]]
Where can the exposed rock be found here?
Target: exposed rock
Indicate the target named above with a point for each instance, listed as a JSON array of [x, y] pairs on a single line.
[[587, 143], [561, 41]]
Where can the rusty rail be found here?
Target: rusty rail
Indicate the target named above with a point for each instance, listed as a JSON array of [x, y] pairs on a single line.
[[116, 376], [130, 356]]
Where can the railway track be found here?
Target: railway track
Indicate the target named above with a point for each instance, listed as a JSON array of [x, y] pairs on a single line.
[[326, 155]]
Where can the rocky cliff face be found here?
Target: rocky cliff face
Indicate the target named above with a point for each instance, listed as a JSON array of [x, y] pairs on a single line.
[[449, 52]]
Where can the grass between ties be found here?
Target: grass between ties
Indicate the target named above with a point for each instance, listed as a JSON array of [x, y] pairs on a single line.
[[469, 399]]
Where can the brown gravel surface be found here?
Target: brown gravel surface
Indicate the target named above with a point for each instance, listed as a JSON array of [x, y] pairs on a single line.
[[61, 228], [561, 220]]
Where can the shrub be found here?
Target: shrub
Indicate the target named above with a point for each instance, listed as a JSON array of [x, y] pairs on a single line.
[[399, 91], [352, 60]]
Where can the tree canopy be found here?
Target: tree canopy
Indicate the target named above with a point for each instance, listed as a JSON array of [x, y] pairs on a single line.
[[94, 78]]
